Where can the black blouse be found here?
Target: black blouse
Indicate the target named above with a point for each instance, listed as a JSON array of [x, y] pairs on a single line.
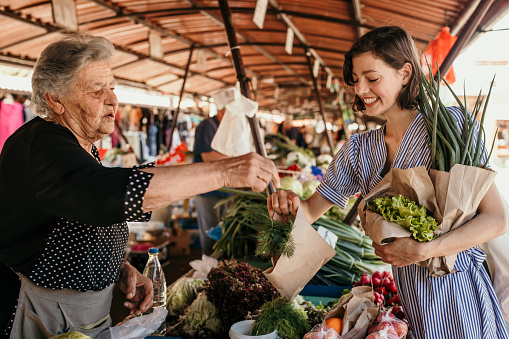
[[63, 214]]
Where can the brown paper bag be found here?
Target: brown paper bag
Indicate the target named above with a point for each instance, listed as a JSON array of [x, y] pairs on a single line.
[[290, 275], [452, 197], [358, 310]]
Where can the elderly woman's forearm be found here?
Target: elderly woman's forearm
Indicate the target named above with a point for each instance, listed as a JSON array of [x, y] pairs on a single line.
[[174, 183], [171, 184]]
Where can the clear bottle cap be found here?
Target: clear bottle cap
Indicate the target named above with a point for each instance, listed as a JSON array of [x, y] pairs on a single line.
[[153, 250]]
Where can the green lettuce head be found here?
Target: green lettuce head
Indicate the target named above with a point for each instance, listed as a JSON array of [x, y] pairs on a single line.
[[406, 213]]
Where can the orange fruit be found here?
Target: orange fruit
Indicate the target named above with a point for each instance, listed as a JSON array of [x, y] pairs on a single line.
[[335, 323]]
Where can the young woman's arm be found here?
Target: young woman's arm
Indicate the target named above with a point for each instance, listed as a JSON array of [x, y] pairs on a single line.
[[286, 202], [490, 222]]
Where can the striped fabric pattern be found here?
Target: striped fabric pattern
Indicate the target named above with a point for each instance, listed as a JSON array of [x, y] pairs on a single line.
[[459, 305]]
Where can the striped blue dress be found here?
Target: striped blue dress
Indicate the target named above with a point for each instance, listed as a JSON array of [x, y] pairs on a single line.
[[458, 305]]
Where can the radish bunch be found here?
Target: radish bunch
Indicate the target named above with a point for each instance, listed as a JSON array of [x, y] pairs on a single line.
[[384, 289]]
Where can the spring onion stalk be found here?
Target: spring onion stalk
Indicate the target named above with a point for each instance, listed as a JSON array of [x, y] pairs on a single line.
[[448, 144]]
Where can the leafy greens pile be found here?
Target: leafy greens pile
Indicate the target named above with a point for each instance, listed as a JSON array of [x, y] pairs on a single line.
[[181, 294], [237, 289], [406, 213]]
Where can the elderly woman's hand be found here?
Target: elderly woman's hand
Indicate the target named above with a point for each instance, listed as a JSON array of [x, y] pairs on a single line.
[[250, 170], [138, 289]]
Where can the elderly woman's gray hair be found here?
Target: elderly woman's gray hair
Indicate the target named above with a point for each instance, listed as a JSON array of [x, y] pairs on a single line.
[[59, 63]]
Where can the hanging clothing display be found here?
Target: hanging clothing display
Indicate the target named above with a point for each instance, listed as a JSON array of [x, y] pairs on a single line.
[[11, 118]]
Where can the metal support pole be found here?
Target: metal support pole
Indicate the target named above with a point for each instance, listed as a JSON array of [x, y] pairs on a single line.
[[315, 87], [241, 77], [465, 35], [176, 113]]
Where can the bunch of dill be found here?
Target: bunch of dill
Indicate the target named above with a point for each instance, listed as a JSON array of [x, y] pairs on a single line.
[[275, 239]]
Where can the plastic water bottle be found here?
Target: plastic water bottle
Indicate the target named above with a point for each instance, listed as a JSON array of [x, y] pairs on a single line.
[[154, 271]]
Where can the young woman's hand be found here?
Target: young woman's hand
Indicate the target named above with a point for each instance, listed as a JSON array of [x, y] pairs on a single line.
[[403, 251], [283, 202]]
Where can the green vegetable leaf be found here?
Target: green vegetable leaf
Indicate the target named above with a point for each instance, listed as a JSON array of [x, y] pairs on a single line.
[[406, 213]]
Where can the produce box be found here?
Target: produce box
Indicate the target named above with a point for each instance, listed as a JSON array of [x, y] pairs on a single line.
[[190, 225], [179, 243]]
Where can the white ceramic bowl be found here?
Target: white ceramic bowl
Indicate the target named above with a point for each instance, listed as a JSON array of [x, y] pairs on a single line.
[[242, 330]]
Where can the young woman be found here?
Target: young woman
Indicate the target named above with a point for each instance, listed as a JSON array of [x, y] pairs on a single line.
[[383, 69]]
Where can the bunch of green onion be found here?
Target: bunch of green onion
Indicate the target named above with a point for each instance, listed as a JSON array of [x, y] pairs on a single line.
[[244, 220], [449, 144], [354, 257]]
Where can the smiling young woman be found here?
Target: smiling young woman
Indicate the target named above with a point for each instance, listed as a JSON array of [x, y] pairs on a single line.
[[382, 68]]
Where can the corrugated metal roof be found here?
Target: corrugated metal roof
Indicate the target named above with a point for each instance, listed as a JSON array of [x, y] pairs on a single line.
[[326, 27]]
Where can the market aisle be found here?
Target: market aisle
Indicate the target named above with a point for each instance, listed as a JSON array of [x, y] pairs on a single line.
[[178, 266]]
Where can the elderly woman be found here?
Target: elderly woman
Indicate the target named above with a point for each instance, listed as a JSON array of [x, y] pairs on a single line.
[[64, 215]]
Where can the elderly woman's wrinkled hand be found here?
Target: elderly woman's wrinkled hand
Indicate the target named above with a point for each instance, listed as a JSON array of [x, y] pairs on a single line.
[[138, 289], [250, 170]]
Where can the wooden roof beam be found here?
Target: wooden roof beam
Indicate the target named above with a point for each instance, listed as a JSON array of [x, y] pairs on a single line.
[[52, 28], [357, 10], [288, 22], [138, 19], [262, 51]]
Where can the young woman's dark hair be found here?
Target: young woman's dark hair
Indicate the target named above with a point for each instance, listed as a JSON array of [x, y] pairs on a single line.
[[395, 47]]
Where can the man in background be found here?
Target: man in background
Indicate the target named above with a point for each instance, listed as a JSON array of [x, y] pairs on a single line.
[[208, 216]]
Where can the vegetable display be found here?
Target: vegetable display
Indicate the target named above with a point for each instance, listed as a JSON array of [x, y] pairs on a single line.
[[406, 213], [289, 319], [449, 144], [355, 255], [236, 289], [181, 294], [244, 219], [282, 146], [290, 183], [201, 320]]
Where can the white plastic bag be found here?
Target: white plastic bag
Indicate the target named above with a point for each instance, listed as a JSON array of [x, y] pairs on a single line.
[[138, 327], [202, 267], [233, 136], [497, 257]]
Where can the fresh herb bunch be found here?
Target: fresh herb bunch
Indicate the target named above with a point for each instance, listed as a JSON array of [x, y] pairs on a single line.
[[236, 289], [282, 315], [275, 239], [449, 145], [406, 213]]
